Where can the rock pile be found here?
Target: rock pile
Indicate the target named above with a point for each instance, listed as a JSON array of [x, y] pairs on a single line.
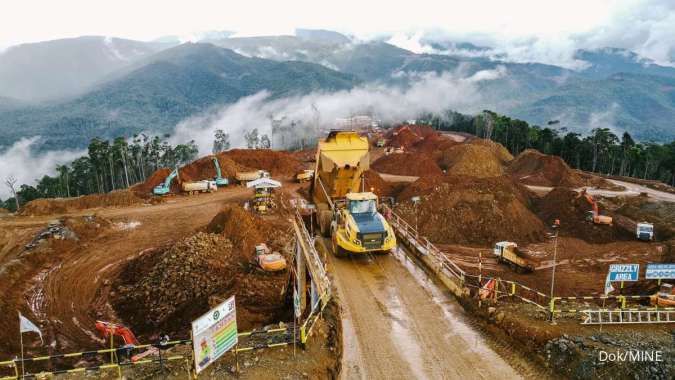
[[168, 289]]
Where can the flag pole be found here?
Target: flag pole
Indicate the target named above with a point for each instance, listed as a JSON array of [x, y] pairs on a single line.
[[23, 374]]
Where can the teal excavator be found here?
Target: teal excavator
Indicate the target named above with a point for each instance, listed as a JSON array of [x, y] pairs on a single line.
[[220, 181], [165, 187]]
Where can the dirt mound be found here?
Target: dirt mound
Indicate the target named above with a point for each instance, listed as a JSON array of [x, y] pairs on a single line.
[[565, 204], [661, 214], [376, 184], [403, 137], [469, 210], [434, 142], [497, 149], [145, 188], [47, 206], [242, 228], [204, 168], [163, 290], [473, 160], [3, 211], [410, 164], [278, 163], [532, 167], [306, 155]]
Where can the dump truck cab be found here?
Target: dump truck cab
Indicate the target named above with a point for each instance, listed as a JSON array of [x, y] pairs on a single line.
[[644, 231], [345, 213], [358, 227]]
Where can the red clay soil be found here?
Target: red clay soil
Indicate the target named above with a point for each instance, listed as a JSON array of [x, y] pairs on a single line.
[[155, 179], [204, 168], [434, 143], [278, 163], [411, 136], [49, 206], [164, 290], [474, 160], [564, 204], [410, 164], [532, 167], [467, 210], [379, 186]]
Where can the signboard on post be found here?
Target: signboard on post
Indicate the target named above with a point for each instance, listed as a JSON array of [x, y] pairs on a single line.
[[660, 271], [214, 333], [624, 272]]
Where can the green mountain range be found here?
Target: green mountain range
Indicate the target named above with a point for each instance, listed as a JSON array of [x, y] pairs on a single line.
[[172, 85], [69, 91]]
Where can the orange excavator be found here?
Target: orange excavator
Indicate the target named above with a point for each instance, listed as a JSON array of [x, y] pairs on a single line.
[[594, 215], [110, 330]]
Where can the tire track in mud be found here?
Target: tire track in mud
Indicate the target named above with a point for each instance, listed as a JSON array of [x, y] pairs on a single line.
[[379, 291], [68, 293]]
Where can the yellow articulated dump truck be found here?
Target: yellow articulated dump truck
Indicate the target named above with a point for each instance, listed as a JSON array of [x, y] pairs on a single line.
[[344, 212]]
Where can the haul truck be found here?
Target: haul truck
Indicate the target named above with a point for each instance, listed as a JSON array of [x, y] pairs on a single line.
[[507, 252], [344, 212]]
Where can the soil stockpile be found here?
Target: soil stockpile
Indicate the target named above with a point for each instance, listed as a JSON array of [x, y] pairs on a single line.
[[502, 154], [566, 205], [3, 211], [404, 137], [163, 290], [49, 206], [410, 164], [473, 160], [204, 168], [532, 167], [155, 179], [434, 143], [278, 163], [661, 214], [467, 210], [378, 185]]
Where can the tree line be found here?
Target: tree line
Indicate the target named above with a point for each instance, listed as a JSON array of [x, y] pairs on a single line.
[[108, 165], [601, 151]]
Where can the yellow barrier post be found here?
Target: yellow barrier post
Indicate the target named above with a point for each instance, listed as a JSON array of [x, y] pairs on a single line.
[[513, 288], [553, 310]]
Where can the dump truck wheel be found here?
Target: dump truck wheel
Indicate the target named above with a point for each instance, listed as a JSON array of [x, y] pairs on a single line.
[[325, 217]]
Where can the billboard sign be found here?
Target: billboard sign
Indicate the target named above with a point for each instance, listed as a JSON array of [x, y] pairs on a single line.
[[624, 272], [660, 272], [214, 333]]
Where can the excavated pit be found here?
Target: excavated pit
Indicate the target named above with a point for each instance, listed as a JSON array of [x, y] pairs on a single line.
[[165, 289]]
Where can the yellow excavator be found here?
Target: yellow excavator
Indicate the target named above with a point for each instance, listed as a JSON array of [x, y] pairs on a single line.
[[345, 212]]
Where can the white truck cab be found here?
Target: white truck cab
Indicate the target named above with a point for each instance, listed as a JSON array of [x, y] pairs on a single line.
[[644, 231]]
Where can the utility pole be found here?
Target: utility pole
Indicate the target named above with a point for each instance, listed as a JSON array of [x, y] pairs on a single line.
[[556, 226]]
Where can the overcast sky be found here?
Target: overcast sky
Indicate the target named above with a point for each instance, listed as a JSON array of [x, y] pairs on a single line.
[[646, 26]]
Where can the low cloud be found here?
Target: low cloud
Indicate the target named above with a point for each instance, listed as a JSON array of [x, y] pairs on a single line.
[[21, 162], [428, 92]]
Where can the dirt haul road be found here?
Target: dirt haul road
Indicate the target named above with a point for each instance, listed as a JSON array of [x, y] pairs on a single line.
[[398, 325]]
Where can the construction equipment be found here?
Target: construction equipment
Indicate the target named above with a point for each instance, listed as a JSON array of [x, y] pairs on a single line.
[[665, 296], [262, 198], [165, 188], [270, 262], [110, 330], [243, 177], [348, 216], [644, 231], [220, 181], [380, 143], [594, 215], [204, 186], [305, 176], [507, 252]]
